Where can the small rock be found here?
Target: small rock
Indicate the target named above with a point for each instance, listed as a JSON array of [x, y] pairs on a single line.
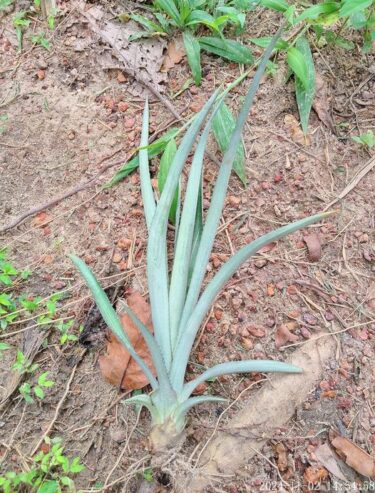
[[41, 74], [124, 243], [200, 389], [118, 435], [233, 200], [246, 343], [117, 257], [260, 263], [363, 238], [309, 319], [129, 123], [122, 106], [256, 331]]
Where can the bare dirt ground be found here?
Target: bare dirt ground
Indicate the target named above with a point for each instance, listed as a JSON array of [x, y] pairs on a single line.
[[69, 115]]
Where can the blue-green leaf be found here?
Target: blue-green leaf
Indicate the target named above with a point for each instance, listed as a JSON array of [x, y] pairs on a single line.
[[350, 7]]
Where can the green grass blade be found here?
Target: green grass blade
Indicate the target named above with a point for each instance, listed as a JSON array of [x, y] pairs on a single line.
[[259, 366], [165, 163], [227, 48], [157, 264], [298, 64], [110, 316], [278, 5], [181, 264], [305, 95], [223, 126], [216, 207], [144, 171], [193, 53], [216, 284]]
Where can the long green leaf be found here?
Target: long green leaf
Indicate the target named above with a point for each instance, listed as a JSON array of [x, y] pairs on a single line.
[[315, 11], [144, 171], [217, 283], [298, 64], [279, 5], [212, 220], [223, 126], [181, 264], [110, 316], [192, 48], [165, 163], [350, 7], [169, 7], [247, 366], [305, 95], [227, 48], [157, 264]]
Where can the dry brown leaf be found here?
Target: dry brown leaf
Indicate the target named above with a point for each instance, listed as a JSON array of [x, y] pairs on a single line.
[[321, 104], [294, 129], [282, 460], [268, 247], [284, 334], [330, 461], [116, 365], [314, 246], [353, 455], [41, 219], [175, 53], [314, 475]]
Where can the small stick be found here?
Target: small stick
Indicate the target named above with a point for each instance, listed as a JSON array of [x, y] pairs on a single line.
[[356, 179]]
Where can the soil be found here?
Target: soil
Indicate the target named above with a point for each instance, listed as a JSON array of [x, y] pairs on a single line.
[[72, 110]]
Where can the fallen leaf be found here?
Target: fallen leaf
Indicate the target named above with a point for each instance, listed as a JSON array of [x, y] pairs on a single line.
[[41, 219], [314, 475], [329, 460], [256, 331], [354, 456], [294, 129], [314, 246], [282, 460], [284, 334], [175, 53], [321, 103], [268, 247], [117, 366]]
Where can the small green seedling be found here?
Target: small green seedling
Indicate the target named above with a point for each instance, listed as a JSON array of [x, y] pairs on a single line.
[[23, 365], [366, 139], [50, 472], [64, 329], [3, 126], [179, 297], [20, 22], [5, 3], [26, 389], [40, 39]]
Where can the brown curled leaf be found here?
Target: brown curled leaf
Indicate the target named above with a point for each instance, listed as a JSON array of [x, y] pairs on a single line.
[[116, 365]]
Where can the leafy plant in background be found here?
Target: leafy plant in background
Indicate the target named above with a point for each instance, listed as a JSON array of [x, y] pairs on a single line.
[[326, 22], [5, 3], [177, 304], [51, 472], [40, 39], [189, 17]]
